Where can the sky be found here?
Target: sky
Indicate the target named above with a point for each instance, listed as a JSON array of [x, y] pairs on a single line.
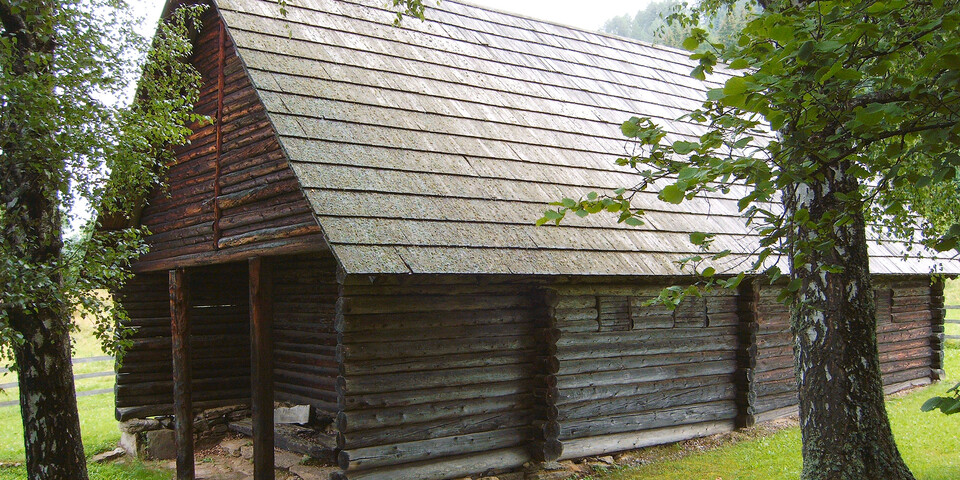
[[588, 15]]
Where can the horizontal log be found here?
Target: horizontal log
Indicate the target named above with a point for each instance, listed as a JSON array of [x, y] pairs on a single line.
[[407, 416], [444, 468], [164, 387], [688, 414], [520, 318], [775, 402], [440, 333], [606, 444], [564, 302], [232, 396], [646, 374], [608, 392], [651, 347], [312, 243], [599, 340], [145, 411], [407, 304], [897, 387], [400, 453], [395, 382], [571, 367], [372, 351], [436, 429], [269, 234], [668, 398], [434, 363], [416, 397]]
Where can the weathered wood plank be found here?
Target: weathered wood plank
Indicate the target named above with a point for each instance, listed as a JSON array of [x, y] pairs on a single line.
[[183, 410], [261, 366]]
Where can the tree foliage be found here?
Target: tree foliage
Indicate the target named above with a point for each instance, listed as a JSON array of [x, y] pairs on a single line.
[[657, 22], [867, 86], [834, 122], [948, 404], [66, 130]]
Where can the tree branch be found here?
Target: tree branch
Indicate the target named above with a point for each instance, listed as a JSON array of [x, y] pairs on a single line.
[[13, 24], [884, 96]]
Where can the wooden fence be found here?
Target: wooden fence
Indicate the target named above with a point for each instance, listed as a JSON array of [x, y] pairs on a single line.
[[80, 376], [952, 307]]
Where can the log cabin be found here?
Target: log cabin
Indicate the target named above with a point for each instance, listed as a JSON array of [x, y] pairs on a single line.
[[355, 232]]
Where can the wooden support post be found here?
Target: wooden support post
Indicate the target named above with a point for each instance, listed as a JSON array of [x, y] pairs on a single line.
[[261, 365], [748, 301], [546, 431], [182, 406], [936, 340]]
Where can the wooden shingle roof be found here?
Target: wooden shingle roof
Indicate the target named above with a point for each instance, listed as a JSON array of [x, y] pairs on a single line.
[[433, 148]]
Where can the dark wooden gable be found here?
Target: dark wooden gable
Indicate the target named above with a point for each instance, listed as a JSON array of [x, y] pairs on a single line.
[[231, 191]]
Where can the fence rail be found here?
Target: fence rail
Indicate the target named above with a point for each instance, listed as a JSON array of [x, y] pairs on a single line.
[[955, 322], [80, 376]]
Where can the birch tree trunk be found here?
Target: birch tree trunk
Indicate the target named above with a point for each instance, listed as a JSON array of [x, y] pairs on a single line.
[[843, 420], [31, 176]]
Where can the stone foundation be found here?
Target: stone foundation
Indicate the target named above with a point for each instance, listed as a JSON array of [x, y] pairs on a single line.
[[154, 438]]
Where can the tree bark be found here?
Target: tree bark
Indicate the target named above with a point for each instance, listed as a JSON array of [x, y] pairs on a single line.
[[843, 419], [48, 404], [30, 183]]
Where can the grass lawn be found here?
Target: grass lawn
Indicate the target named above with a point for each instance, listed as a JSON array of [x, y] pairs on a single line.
[[97, 423]]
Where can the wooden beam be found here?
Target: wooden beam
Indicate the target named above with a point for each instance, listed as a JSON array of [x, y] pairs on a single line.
[[748, 301], [182, 407], [217, 213], [286, 246], [261, 365]]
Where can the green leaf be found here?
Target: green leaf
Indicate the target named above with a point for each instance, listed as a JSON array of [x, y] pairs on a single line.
[[671, 194], [697, 238], [633, 221], [708, 272], [951, 61], [714, 94], [691, 43], [735, 86], [931, 404], [568, 202], [782, 34], [950, 405], [552, 215], [683, 148], [806, 50], [631, 127]]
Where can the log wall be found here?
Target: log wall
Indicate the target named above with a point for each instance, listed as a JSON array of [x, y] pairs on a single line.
[[231, 189], [437, 380], [219, 342], [631, 376], [305, 342], [907, 336]]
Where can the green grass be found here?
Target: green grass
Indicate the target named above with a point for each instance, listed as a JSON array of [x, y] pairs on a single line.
[[97, 423]]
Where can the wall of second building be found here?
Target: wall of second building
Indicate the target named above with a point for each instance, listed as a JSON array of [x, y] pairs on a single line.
[[439, 377], [219, 341], [231, 189], [908, 311], [305, 342], [633, 375]]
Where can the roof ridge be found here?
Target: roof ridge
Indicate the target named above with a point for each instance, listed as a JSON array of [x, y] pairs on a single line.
[[658, 46]]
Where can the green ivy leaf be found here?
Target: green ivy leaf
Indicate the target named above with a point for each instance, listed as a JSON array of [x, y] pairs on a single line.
[[671, 194]]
